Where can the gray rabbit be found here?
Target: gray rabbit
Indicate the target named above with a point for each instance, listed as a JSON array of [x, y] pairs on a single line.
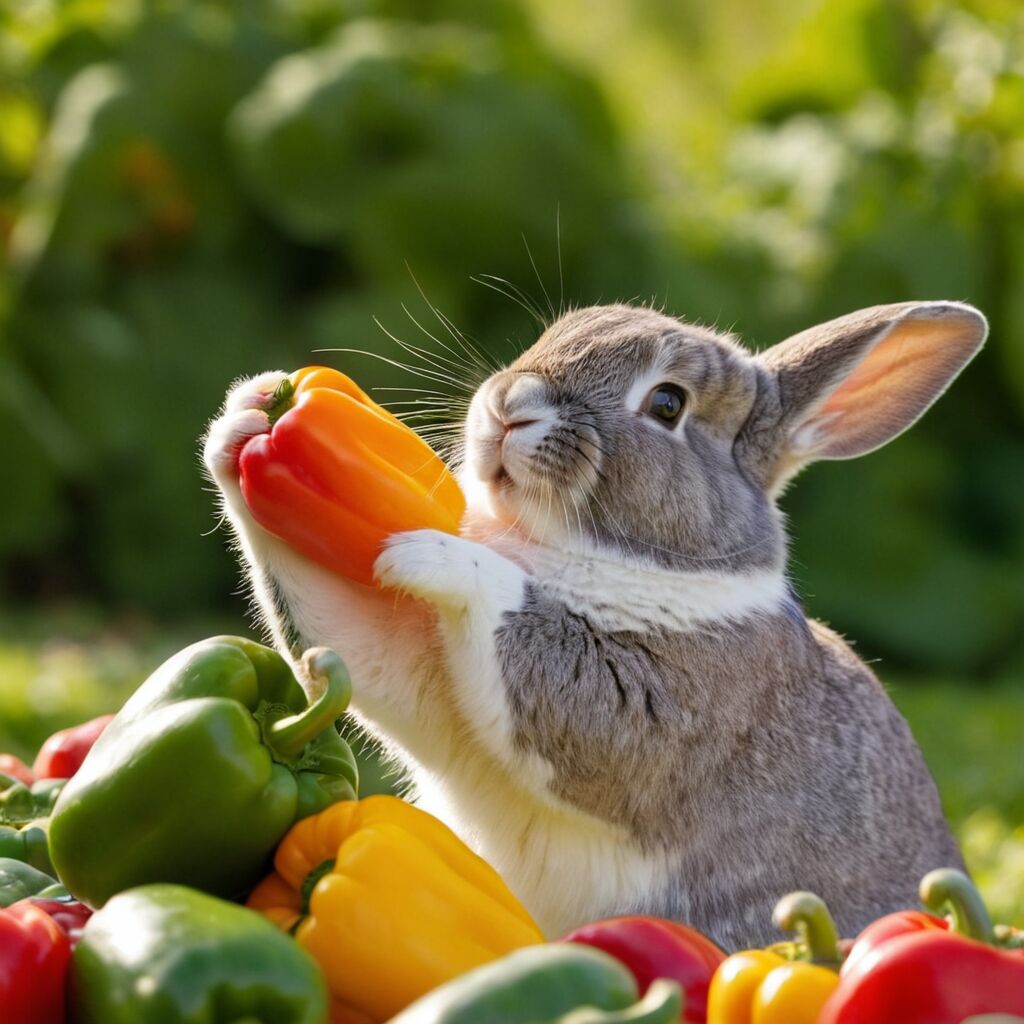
[[606, 685]]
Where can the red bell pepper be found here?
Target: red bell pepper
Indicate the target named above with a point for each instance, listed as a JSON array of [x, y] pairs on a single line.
[[63, 753], [15, 768], [653, 948], [904, 922], [910, 968], [66, 911], [34, 955]]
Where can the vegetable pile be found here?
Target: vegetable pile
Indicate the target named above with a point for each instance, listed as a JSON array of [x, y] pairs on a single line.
[[202, 857]]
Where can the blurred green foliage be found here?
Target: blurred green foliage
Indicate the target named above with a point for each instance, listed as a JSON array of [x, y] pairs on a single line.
[[191, 190]]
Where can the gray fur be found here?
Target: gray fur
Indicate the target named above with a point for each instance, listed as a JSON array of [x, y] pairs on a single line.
[[767, 758], [744, 746], [763, 754], [682, 506]]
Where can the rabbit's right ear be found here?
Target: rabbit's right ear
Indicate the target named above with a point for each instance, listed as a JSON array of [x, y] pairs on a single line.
[[848, 386]]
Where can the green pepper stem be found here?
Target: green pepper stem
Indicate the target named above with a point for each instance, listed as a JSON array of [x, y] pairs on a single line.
[[948, 890], [289, 736], [281, 401], [309, 883], [807, 916]]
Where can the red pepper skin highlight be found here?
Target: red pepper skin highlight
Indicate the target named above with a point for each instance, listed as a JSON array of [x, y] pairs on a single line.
[[69, 913], [653, 948], [885, 929]]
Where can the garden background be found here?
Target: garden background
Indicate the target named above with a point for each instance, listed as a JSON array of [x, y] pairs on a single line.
[[192, 191]]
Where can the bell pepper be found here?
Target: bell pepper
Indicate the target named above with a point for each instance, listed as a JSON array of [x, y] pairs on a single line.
[[560, 983], [34, 953], [337, 474], [63, 753], [340, 1013], [206, 767], [29, 844], [653, 948], [165, 954], [21, 804], [787, 984], [390, 902], [919, 970], [18, 881], [23, 821], [68, 912], [14, 768]]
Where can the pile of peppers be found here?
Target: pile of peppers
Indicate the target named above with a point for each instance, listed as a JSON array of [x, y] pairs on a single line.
[[942, 966], [129, 844]]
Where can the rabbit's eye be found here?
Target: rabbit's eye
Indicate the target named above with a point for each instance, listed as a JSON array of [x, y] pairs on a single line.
[[666, 403]]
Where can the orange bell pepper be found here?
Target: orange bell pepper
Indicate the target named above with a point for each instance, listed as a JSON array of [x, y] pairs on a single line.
[[337, 474], [390, 902]]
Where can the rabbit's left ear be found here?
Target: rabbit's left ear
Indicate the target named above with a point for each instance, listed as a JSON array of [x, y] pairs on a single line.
[[848, 386]]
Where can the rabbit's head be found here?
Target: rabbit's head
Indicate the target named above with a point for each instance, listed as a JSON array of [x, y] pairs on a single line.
[[631, 432]]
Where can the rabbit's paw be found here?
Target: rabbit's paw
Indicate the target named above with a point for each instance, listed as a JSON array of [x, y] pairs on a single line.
[[444, 569], [243, 417], [254, 392]]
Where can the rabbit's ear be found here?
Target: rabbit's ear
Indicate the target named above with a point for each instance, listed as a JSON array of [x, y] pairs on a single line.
[[848, 386]]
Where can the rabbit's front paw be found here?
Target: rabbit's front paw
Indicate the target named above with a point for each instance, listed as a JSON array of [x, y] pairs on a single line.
[[440, 568], [254, 392], [243, 417]]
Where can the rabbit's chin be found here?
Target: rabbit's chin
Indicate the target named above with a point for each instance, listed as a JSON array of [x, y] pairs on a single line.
[[534, 509]]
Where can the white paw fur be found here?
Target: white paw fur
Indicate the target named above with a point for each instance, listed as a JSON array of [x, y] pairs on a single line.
[[243, 417], [449, 571]]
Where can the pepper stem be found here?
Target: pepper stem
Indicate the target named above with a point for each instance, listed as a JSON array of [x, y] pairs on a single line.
[[309, 883], [947, 889], [289, 736], [280, 401], [807, 916]]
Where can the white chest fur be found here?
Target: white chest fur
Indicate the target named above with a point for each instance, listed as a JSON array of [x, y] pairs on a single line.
[[567, 868], [626, 595]]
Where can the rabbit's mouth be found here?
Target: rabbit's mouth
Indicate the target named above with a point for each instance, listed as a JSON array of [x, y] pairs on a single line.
[[528, 460]]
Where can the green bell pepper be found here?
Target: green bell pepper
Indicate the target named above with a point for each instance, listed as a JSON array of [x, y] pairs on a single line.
[[19, 880], [29, 844], [211, 761], [20, 804], [165, 954], [558, 983]]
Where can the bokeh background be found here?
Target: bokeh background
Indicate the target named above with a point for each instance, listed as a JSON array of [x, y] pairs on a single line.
[[192, 191]]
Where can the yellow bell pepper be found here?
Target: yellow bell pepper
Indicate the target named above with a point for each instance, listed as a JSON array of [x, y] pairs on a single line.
[[761, 986], [390, 902]]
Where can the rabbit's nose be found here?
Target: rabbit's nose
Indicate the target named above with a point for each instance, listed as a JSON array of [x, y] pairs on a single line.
[[518, 398], [520, 421]]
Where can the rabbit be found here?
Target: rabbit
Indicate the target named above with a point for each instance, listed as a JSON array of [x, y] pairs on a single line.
[[605, 685]]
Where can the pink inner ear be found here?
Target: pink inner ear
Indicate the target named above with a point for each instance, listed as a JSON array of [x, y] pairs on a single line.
[[892, 386]]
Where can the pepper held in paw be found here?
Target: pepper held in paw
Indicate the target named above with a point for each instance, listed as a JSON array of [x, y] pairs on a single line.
[[337, 474]]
